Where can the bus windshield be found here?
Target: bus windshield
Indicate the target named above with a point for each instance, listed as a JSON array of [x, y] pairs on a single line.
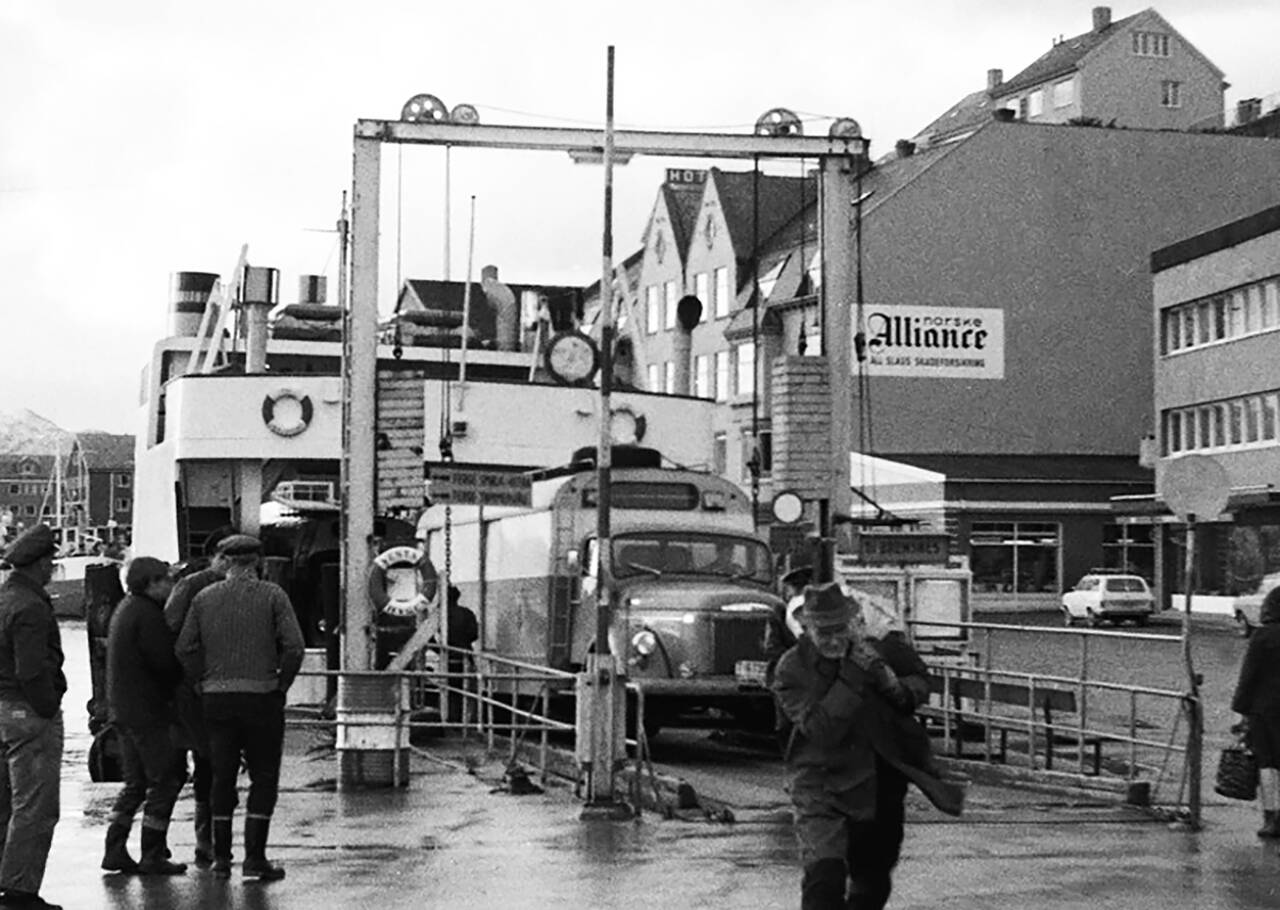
[[660, 553]]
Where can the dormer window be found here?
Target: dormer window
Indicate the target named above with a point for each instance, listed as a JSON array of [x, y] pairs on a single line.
[[1150, 44]]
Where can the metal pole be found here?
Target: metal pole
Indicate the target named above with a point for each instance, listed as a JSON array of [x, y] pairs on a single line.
[[602, 679], [1195, 718], [448, 191]]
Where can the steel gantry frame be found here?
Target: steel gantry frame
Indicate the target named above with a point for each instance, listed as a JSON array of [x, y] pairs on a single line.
[[838, 158]]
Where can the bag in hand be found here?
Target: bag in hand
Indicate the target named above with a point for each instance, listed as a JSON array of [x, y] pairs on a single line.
[[1237, 773]]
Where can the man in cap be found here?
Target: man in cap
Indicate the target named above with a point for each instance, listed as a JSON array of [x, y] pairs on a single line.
[[241, 643], [142, 678], [193, 734], [852, 747], [31, 688]]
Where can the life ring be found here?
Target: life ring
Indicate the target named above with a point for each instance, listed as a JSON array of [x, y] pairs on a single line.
[[402, 581], [300, 420]]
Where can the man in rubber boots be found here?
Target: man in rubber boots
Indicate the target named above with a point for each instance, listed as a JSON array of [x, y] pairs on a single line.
[[142, 678], [852, 747], [31, 688], [242, 643], [194, 736]]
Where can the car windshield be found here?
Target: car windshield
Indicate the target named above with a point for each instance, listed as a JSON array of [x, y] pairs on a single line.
[[1126, 585], [660, 553]]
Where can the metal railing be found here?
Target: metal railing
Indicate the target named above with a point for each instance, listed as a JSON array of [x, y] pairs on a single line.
[[481, 694], [1106, 711]]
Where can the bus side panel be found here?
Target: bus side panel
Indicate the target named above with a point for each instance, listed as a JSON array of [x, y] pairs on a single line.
[[518, 586]]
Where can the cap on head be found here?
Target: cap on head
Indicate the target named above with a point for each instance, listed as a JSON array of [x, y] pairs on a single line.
[[239, 545], [31, 546], [826, 607], [142, 571]]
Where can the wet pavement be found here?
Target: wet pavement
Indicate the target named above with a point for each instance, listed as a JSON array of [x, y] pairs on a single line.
[[455, 838]]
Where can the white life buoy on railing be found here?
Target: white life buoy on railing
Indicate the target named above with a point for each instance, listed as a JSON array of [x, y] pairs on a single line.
[[291, 419], [402, 581]]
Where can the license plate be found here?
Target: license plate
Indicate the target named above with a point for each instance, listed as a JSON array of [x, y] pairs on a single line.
[[750, 672]]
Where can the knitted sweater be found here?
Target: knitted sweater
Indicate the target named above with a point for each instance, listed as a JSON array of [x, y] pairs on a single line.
[[241, 635]]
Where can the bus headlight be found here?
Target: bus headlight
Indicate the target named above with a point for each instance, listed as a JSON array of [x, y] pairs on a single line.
[[644, 642]]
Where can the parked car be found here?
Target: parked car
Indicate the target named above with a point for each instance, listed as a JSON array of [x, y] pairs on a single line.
[[1103, 597], [1249, 606]]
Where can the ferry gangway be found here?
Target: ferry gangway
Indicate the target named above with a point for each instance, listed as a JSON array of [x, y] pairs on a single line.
[[1149, 725]]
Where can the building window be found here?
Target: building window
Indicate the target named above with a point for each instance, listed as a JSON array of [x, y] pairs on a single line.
[[669, 377], [1022, 107], [815, 272], [746, 368], [1246, 422], [122, 505], [1170, 93], [13, 489], [1150, 44], [1014, 557], [722, 292], [722, 376], [652, 314], [702, 376], [670, 296], [30, 510], [701, 285], [1064, 93], [653, 378], [28, 468], [1035, 103], [1247, 310], [720, 453], [123, 480]]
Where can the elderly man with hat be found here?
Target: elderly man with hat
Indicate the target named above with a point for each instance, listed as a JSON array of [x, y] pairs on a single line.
[[852, 747], [142, 679], [31, 688], [242, 645]]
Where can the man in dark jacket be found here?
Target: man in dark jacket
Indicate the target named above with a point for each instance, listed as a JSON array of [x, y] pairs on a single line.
[[1257, 699], [142, 676], [31, 688], [853, 746], [194, 736], [242, 644]]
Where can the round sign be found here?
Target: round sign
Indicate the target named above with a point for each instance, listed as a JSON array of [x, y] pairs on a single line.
[[1195, 485], [788, 507]]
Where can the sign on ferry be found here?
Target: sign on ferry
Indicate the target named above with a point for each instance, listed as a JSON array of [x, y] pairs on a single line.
[[896, 549], [463, 486]]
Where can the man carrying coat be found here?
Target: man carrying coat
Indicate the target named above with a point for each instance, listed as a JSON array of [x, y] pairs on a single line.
[[852, 747], [142, 680], [31, 688]]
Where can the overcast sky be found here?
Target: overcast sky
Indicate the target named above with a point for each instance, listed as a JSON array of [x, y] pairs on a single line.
[[141, 137]]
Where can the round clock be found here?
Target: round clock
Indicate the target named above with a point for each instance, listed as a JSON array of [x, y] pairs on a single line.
[[572, 358]]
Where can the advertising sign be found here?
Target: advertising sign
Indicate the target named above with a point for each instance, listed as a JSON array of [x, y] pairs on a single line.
[[933, 342]]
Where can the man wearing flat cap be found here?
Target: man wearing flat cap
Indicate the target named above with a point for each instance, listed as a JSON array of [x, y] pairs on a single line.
[[142, 680], [242, 645], [31, 688], [852, 747]]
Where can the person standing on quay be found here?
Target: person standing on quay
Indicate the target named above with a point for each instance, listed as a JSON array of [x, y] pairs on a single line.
[[190, 714], [241, 643], [142, 678], [31, 688], [1257, 700], [852, 747]]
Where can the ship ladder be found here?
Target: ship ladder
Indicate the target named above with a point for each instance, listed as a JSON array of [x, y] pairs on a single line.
[[564, 593]]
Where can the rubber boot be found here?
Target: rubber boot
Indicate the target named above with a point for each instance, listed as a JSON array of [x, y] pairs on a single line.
[[256, 829], [221, 830], [116, 858], [1270, 824], [204, 836], [155, 855]]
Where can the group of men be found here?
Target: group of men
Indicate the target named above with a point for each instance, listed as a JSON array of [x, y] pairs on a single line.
[[200, 665]]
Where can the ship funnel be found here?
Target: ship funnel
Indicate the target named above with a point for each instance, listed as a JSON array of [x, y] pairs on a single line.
[[312, 289], [188, 297], [259, 292]]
